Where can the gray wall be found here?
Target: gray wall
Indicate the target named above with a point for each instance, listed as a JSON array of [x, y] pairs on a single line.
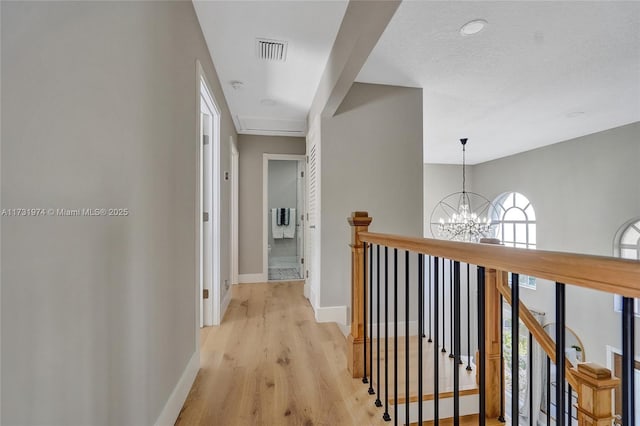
[[583, 190], [282, 193], [251, 149], [99, 110], [372, 161], [439, 181]]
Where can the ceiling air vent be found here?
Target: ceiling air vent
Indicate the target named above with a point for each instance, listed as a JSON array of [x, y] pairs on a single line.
[[271, 50]]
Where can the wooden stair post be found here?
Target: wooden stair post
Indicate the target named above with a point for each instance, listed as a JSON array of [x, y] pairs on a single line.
[[595, 401], [493, 343], [359, 222]]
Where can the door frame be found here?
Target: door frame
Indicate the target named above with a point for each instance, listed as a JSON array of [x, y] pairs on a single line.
[[265, 207], [210, 306], [235, 163]]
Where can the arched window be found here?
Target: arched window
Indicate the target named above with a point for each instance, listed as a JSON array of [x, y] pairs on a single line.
[[516, 225], [627, 242], [626, 245]]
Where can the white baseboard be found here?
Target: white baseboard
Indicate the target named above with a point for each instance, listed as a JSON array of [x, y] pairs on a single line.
[[225, 304], [307, 291], [252, 278], [332, 314], [174, 404], [345, 329], [413, 329]]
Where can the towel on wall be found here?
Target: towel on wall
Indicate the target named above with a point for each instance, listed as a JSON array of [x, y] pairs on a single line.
[[277, 231], [289, 230]]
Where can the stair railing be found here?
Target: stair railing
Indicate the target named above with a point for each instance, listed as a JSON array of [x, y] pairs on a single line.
[[429, 274]]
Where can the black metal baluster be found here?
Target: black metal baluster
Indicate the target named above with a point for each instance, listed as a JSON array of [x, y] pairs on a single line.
[[430, 278], [548, 391], [451, 348], [482, 347], [515, 352], [436, 357], [569, 393], [530, 378], [628, 357], [386, 415], [424, 270], [371, 391], [395, 336], [420, 330], [456, 344], [560, 345], [468, 322], [444, 335], [502, 402], [378, 402], [406, 335], [364, 310]]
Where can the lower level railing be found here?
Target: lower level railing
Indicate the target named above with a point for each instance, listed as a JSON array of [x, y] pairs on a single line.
[[427, 332]]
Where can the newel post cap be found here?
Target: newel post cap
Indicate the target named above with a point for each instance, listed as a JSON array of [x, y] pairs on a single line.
[[359, 219]]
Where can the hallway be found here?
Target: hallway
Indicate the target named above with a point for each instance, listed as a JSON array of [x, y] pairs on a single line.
[[270, 363]]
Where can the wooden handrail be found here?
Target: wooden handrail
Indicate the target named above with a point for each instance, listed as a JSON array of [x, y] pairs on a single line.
[[542, 337], [618, 276], [593, 272]]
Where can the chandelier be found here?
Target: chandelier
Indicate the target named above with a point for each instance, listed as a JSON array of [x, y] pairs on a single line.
[[463, 216]]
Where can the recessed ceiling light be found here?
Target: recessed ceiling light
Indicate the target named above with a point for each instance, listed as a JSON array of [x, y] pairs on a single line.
[[236, 84], [575, 114], [473, 27], [267, 102]]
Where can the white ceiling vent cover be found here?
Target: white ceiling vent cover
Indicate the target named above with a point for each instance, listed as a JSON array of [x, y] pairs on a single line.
[[271, 50]]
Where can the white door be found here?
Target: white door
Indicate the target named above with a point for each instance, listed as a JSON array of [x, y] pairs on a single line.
[[300, 207]]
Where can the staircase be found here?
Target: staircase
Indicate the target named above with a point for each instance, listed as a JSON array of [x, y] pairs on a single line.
[[448, 286]]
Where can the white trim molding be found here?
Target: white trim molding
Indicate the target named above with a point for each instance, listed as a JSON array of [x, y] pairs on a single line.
[[225, 304], [331, 314], [178, 396], [252, 278], [265, 203]]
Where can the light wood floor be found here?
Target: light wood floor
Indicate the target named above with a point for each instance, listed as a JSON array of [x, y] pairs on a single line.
[[270, 363], [468, 384]]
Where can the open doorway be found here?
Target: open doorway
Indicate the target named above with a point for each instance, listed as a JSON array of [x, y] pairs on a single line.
[[284, 216], [208, 211]]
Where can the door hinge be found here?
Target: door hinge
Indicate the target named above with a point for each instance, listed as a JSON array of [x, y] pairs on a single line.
[[307, 158], [307, 216], [302, 260], [205, 294], [205, 139], [307, 273], [301, 218], [301, 174], [205, 216]]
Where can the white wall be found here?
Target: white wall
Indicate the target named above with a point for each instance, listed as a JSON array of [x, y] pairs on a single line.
[[371, 161], [99, 107], [583, 190]]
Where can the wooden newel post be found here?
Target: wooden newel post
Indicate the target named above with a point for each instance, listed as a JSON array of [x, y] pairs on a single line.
[[492, 333], [595, 402], [359, 222]]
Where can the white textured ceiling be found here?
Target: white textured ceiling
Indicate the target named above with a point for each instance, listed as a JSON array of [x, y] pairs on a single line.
[[230, 29], [521, 82]]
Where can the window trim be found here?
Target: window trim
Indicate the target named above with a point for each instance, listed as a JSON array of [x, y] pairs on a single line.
[[617, 252]]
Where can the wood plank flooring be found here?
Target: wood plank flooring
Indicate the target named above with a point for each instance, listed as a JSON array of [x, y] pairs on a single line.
[[270, 363], [468, 384]]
